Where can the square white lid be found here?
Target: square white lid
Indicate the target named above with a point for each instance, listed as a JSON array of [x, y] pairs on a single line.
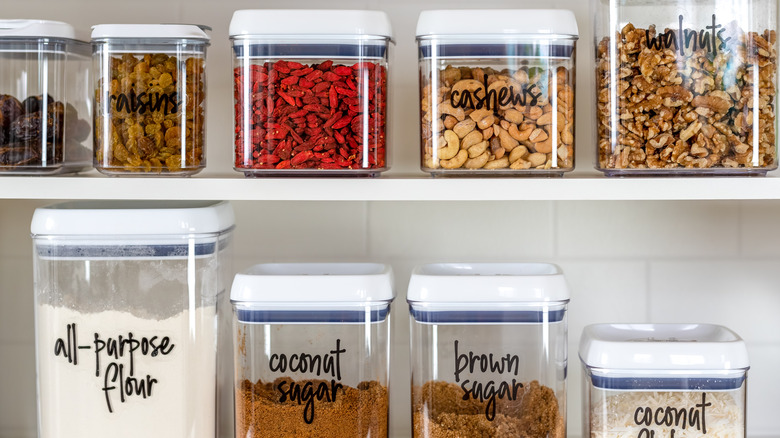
[[509, 22], [484, 283], [309, 284], [36, 29], [312, 23], [132, 218], [662, 347], [151, 31]]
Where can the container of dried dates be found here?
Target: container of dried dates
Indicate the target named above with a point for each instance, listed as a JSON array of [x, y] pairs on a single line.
[[685, 88], [310, 92], [44, 100], [150, 99], [497, 92]]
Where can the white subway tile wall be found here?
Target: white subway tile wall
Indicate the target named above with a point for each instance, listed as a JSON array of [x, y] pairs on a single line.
[[625, 261]]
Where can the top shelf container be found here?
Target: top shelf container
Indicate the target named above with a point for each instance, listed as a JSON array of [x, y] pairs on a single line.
[[686, 88]]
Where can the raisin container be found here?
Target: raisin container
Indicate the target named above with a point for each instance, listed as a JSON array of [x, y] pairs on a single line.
[[128, 297], [488, 350], [686, 87], [663, 380], [497, 91], [312, 350], [44, 98], [310, 92], [150, 99]]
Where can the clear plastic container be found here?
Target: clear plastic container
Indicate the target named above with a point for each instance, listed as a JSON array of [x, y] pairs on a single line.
[[150, 99], [497, 91], [312, 350], [663, 380], [310, 92], [128, 297], [45, 99], [686, 87], [488, 350]]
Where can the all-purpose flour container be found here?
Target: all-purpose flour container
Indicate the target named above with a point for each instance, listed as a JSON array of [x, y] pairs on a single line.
[[488, 350], [663, 380], [45, 102], [127, 296], [312, 350]]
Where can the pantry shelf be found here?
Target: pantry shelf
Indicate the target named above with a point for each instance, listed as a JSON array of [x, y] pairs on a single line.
[[578, 187]]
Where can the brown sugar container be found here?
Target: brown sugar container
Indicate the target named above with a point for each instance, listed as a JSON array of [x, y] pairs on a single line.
[[312, 350], [150, 99], [488, 350]]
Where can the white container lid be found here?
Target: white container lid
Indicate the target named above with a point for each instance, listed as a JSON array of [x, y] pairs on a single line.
[[151, 31], [484, 283], [36, 29], [90, 219], [668, 347], [310, 22], [510, 22], [308, 284]]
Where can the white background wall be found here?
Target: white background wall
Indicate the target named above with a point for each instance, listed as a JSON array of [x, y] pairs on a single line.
[[701, 261]]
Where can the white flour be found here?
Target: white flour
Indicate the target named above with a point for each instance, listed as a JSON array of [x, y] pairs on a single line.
[[72, 399]]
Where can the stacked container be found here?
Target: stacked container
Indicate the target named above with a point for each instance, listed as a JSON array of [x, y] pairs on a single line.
[[488, 349], [497, 91], [310, 90], [312, 350], [150, 99], [686, 88], [44, 98], [663, 380], [127, 297]]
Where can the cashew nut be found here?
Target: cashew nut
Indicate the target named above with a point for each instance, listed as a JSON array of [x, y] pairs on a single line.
[[446, 108], [537, 159], [478, 149], [471, 139], [477, 162], [464, 127], [518, 153], [452, 148], [507, 141], [499, 163], [455, 162]]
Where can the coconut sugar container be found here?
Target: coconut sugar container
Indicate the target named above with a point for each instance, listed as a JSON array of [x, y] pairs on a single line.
[[488, 350], [128, 297], [686, 87], [663, 380], [45, 100], [310, 92], [150, 99], [497, 92], [312, 350]]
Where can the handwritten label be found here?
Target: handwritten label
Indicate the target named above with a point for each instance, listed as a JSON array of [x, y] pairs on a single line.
[[491, 390], [328, 364], [115, 361], [710, 39], [495, 98], [145, 102], [693, 417]]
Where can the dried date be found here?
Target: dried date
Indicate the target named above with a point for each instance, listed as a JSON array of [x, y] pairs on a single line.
[[22, 126]]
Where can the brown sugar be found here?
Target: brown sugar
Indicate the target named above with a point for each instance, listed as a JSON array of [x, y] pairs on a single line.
[[353, 412], [441, 412]]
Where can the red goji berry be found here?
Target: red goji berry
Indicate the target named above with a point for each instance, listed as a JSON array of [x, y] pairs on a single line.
[[344, 121], [342, 70], [290, 80], [325, 65], [301, 157], [294, 65]]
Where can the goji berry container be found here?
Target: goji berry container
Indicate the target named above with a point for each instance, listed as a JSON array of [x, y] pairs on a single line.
[[311, 344], [150, 99], [45, 99], [686, 88], [310, 91], [497, 92], [488, 350], [663, 380], [132, 318]]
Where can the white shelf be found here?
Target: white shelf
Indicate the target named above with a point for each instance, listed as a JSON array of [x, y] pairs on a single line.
[[586, 187]]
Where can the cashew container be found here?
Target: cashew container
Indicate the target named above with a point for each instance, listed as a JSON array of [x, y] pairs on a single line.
[[150, 99], [663, 380], [310, 92], [488, 350], [686, 88], [497, 91], [45, 99], [312, 349]]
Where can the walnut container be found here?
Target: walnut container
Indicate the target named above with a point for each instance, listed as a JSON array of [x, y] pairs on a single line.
[[685, 88], [497, 92]]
